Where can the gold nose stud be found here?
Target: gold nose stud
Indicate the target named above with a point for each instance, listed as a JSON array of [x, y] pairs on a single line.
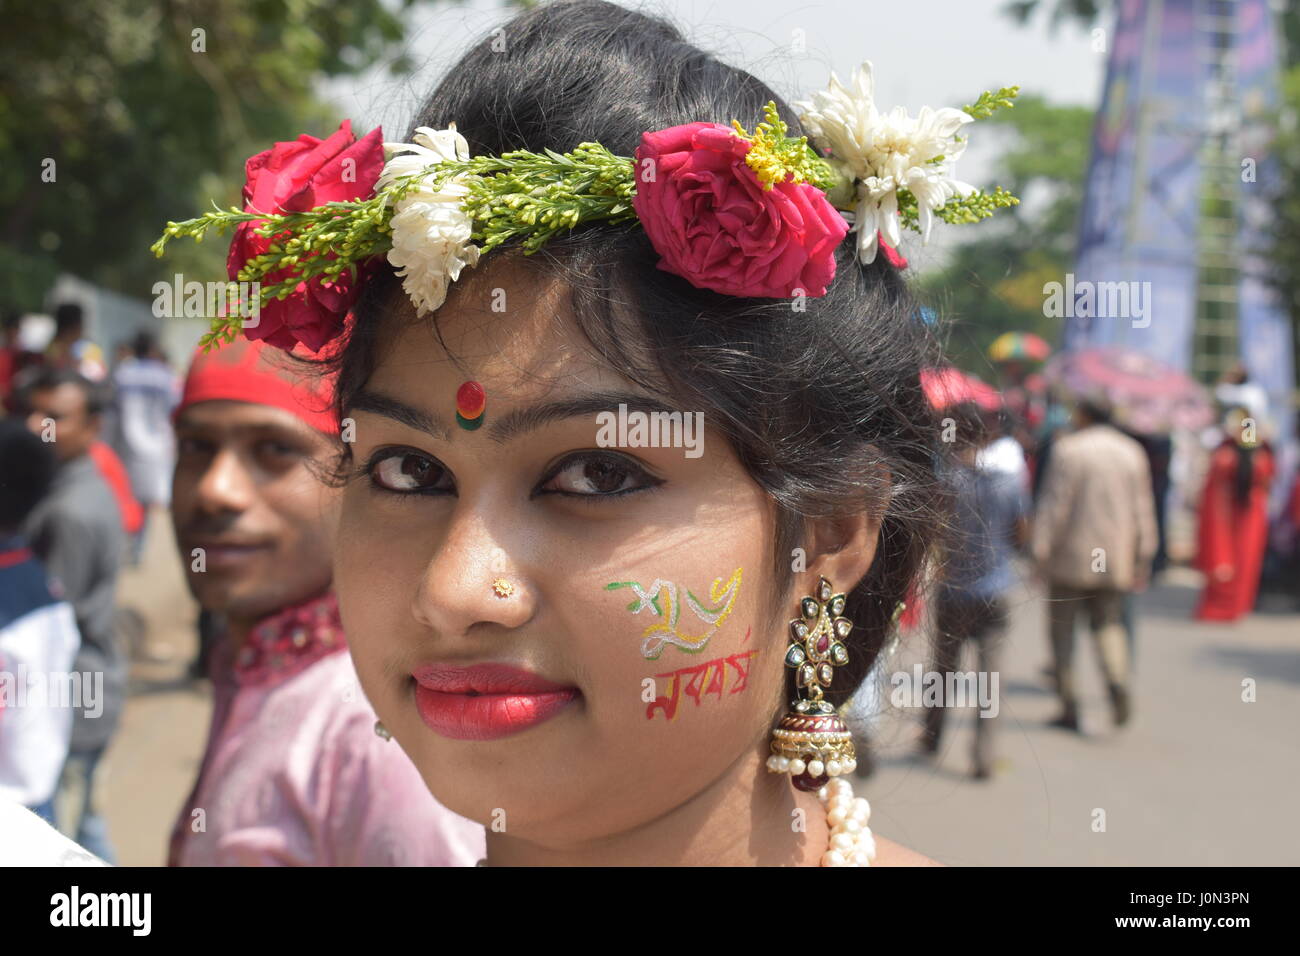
[[502, 588]]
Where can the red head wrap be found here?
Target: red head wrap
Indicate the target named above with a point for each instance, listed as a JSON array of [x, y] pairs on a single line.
[[248, 371]]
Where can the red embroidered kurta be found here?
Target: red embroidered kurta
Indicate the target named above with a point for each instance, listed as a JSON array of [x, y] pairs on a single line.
[[294, 774]]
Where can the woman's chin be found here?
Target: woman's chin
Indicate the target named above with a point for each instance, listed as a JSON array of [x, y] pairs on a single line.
[[505, 784]]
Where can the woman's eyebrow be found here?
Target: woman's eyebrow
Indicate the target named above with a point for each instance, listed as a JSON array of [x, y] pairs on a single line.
[[513, 424], [400, 412], [517, 422]]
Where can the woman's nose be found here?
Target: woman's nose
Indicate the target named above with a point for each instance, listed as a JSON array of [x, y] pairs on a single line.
[[472, 579]]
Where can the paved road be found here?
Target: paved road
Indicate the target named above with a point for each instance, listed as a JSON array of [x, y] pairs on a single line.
[[1199, 777], [154, 757]]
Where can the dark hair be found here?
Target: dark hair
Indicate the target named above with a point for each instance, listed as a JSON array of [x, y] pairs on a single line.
[[48, 378], [1096, 410], [971, 424], [823, 407], [1244, 478], [144, 344], [27, 467], [67, 316]]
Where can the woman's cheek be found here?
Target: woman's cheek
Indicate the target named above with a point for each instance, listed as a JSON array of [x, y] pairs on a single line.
[[371, 578], [690, 657]]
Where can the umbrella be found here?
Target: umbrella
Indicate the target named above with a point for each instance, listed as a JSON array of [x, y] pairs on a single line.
[[1019, 346], [1148, 396], [949, 386]]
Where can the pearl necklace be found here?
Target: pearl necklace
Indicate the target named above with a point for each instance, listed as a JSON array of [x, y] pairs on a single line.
[[851, 842]]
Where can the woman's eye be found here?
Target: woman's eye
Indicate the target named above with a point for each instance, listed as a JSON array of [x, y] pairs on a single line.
[[407, 471], [599, 475]]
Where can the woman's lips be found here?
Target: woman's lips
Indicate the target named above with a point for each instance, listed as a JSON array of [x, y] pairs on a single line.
[[485, 701]]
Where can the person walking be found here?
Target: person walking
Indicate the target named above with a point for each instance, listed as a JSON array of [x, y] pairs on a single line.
[[990, 512], [1094, 538], [146, 393]]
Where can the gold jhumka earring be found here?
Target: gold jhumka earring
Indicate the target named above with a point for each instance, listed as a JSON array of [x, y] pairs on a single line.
[[811, 743]]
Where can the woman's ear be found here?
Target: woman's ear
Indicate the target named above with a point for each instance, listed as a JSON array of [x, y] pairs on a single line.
[[843, 548]]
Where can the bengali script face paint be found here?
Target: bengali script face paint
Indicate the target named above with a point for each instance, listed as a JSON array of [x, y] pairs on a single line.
[[723, 676], [664, 602]]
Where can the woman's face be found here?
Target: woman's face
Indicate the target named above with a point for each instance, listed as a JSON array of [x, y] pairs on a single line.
[[634, 662]]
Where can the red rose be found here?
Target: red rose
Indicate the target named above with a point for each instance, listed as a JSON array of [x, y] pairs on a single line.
[[294, 177], [713, 223]]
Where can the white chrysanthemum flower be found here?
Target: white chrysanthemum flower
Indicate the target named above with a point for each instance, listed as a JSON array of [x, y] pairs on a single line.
[[431, 230], [885, 152]]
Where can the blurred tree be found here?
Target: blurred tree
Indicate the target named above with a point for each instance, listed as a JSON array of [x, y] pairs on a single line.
[[994, 284], [117, 115]]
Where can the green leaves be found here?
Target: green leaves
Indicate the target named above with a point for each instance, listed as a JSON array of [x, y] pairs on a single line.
[[990, 102], [519, 195], [973, 208], [139, 121], [533, 196]]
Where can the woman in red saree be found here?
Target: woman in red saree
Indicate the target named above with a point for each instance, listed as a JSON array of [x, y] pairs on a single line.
[[1233, 527]]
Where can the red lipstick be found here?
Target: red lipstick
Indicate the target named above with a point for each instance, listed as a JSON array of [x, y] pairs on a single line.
[[485, 701]]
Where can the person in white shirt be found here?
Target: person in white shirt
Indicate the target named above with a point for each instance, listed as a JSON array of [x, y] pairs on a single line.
[[38, 636], [146, 392]]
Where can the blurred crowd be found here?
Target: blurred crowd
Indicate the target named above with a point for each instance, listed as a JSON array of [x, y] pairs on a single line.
[[86, 455], [1059, 482]]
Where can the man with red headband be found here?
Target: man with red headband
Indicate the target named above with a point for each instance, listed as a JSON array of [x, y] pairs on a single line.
[[294, 772]]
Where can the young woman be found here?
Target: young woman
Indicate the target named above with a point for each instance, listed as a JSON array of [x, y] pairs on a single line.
[[816, 442], [626, 519], [1232, 534]]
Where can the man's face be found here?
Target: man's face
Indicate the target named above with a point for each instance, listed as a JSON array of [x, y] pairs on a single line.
[[251, 513], [59, 415]]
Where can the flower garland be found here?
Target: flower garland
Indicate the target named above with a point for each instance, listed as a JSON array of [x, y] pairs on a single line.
[[755, 214]]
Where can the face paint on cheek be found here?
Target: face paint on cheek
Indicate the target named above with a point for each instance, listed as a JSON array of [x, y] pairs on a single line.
[[700, 681], [661, 599]]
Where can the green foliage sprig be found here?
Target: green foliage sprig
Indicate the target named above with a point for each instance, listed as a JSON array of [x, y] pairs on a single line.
[[518, 194], [534, 195], [957, 211], [990, 102]]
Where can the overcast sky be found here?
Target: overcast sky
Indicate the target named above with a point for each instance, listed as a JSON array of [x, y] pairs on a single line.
[[925, 53]]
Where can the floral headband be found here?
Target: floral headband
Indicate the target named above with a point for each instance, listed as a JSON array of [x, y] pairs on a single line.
[[749, 214]]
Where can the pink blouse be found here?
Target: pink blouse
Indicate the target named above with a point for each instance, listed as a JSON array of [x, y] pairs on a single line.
[[294, 774]]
